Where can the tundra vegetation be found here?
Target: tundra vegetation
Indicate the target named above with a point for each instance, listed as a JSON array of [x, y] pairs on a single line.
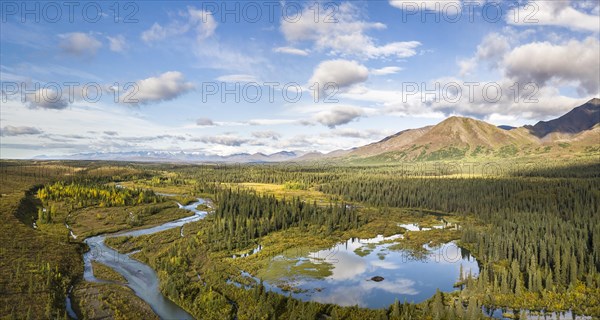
[[534, 230]]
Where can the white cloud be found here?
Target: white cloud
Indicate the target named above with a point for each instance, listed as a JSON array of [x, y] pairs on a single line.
[[291, 50], [158, 32], [266, 135], [47, 98], [339, 115], [555, 13], [536, 103], [19, 131], [96, 117], [166, 86], [79, 44], [205, 122], [358, 134], [571, 62], [492, 49], [341, 73], [466, 66], [218, 55], [270, 122], [202, 22], [233, 78], [225, 140], [343, 36], [385, 71], [117, 43]]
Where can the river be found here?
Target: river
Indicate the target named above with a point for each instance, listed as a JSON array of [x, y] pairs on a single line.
[[140, 277]]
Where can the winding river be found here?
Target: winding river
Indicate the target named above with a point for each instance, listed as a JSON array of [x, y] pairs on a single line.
[[140, 277]]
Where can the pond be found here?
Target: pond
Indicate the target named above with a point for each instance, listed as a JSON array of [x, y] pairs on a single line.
[[344, 274]]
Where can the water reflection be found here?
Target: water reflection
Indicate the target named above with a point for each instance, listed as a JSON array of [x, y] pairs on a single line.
[[354, 262]]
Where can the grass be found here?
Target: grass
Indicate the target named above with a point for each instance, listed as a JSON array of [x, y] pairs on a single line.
[[415, 240], [109, 301], [104, 272], [204, 207], [280, 191], [34, 266], [40, 265], [146, 243], [167, 189], [283, 271], [29, 258], [91, 221]]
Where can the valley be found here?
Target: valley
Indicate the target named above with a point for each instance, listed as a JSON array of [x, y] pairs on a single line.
[[365, 236], [307, 223], [300, 160]]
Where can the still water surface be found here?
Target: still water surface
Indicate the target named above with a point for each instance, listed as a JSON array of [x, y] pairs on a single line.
[[353, 264]]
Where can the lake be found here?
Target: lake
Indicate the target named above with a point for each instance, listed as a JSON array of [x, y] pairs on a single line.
[[342, 274]]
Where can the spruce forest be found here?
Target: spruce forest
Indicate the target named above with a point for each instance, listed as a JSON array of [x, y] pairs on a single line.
[[534, 234]]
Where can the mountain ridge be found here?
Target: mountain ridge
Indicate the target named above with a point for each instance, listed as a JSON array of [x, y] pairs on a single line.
[[462, 137], [577, 131]]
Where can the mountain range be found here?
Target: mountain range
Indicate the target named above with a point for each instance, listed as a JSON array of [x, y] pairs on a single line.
[[576, 132], [180, 156]]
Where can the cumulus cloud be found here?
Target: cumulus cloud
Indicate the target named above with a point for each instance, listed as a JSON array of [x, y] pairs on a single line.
[[166, 86], [343, 33], [269, 122], [561, 13], [484, 100], [540, 62], [357, 134], [292, 51], [341, 73], [79, 44], [233, 78], [266, 135], [111, 133], [205, 122], [492, 49], [226, 140], [201, 22], [19, 131], [47, 98], [339, 115], [385, 71], [117, 43]]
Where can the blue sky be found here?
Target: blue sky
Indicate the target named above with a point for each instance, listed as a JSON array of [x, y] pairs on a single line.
[[361, 70]]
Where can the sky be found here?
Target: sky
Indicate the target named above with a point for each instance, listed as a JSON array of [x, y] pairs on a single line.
[[265, 76]]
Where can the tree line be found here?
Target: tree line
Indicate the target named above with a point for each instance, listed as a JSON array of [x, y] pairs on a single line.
[[243, 216]]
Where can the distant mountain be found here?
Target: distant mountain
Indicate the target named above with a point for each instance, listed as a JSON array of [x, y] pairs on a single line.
[[575, 121], [578, 131], [316, 155], [460, 137], [165, 156], [504, 127]]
